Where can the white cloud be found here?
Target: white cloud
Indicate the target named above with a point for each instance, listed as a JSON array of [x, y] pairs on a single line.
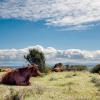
[[16, 56], [74, 13]]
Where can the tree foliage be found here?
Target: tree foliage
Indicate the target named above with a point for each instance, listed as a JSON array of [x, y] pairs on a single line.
[[37, 57]]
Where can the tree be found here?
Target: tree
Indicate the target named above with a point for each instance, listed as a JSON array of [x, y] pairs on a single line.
[[36, 57]]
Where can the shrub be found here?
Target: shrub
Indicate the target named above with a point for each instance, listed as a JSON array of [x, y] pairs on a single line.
[[75, 74], [47, 70], [52, 79], [68, 76], [75, 67], [96, 81], [96, 69], [14, 95], [0, 70]]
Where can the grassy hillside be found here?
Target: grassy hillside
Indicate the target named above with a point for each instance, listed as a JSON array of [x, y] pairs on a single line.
[[56, 86]]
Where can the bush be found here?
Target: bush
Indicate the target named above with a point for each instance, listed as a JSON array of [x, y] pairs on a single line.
[[47, 70], [68, 76], [52, 79], [14, 95], [75, 67], [96, 69], [96, 81], [0, 70]]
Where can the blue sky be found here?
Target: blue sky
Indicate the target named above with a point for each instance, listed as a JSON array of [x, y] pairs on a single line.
[[21, 33], [65, 30]]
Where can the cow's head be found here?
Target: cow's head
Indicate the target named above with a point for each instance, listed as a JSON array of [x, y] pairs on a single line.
[[34, 70]]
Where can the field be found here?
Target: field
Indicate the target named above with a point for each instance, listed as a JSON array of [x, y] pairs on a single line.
[[56, 86]]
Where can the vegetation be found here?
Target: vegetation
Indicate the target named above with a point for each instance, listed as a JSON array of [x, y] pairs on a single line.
[[70, 67], [47, 69], [96, 81], [96, 69], [56, 86], [72, 84], [37, 57], [75, 67]]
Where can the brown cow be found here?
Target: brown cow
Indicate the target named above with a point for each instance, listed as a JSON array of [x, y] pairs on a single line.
[[58, 67], [20, 76]]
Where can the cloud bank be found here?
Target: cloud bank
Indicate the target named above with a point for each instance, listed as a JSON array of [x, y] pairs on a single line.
[[63, 13], [16, 56]]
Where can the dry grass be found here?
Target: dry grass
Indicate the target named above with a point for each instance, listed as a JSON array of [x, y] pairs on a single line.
[[56, 86]]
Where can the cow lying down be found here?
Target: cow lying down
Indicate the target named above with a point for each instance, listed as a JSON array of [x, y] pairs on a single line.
[[20, 76]]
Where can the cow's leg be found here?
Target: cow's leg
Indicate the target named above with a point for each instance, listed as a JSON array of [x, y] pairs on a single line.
[[21, 81], [27, 80], [28, 83]]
